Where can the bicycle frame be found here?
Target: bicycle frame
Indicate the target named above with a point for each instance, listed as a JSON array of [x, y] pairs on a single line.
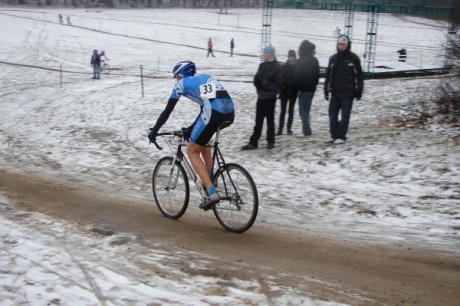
[[181, 158], [217, 160]]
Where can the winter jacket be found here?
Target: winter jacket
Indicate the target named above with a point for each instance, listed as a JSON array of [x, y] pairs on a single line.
[[95, 59], [268, 79], [306, 72], [287, 88], [344, 75]]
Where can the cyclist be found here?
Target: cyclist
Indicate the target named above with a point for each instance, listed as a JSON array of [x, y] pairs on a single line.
[[214, 111]]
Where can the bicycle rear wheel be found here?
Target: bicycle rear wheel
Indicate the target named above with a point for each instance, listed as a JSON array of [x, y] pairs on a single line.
[[170, 188], [239, 204]]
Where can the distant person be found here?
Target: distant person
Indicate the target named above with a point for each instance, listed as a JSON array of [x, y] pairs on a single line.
[[344, 82], [288, 93], [268, 81], [337, 31], [210, 48], [402, 55], [68, 19], [306, 77], [103, 57], [60, 18], [96, 63], [104, 62], [232, 46]]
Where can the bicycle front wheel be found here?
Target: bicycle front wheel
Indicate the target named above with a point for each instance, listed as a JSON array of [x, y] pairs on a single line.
[[170, 188], [239, 204]]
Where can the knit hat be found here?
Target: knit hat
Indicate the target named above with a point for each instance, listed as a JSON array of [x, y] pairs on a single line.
[[343, 40], [291, 53], [269, 50]]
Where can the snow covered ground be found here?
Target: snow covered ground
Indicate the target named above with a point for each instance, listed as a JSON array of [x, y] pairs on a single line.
[[387, 183]]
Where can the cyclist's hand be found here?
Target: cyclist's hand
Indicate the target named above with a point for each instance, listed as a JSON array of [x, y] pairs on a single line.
[[153, 138], [186, 131]]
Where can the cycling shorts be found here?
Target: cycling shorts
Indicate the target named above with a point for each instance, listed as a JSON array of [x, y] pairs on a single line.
[[207, 124]]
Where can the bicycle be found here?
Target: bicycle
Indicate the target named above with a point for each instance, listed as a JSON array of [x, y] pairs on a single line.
[[105, 67], [237, 209]]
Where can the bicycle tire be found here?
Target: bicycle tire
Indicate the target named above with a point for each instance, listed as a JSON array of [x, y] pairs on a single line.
[[172, 201], [237, 209]]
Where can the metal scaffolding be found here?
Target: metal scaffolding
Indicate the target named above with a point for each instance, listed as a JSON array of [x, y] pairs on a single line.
[[349, 15], [371, 38], [267, 13], [413, 7]]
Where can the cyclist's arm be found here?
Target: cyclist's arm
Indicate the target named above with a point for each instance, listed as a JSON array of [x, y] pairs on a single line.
[[165, 114]]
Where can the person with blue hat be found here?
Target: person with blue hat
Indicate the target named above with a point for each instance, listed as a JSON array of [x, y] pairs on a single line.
[[268, 81]]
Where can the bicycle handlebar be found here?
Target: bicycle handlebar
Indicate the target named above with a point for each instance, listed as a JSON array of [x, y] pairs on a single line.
[[171, 133]]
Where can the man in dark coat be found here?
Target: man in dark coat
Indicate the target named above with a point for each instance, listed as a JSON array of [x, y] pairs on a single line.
[[268, 81], [232, 46], [344, 82], [306, 77], [96, 63]]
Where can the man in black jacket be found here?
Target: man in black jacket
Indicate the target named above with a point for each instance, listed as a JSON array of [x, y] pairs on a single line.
[[306, 77], [344, 82], [268, 81]]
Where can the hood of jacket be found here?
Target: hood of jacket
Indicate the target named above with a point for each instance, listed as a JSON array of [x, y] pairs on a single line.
[[306, 48], [344, 37]]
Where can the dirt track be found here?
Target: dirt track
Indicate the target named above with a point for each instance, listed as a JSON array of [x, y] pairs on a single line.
[[338, 270]]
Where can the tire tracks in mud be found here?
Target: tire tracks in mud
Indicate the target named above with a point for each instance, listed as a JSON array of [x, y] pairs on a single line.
[[337, 269]]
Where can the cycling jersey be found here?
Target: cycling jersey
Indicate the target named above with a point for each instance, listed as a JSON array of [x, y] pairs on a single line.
[[214, 111], [190, 87]]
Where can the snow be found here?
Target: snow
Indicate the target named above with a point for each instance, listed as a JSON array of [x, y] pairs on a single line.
[[386, 184]]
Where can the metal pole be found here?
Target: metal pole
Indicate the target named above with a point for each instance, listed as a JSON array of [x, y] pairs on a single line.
[[142, 81]]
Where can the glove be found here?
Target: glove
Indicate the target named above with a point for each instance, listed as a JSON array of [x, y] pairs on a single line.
[[152, 135], [358, 97], [187, 131], [326, 96]]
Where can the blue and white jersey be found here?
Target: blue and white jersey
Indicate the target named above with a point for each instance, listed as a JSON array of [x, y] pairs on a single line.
[[192, 86]]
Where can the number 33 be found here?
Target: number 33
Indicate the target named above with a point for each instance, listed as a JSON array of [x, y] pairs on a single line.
[[207, 91]]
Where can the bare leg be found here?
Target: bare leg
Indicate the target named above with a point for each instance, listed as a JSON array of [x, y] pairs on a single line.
[[197, 154]]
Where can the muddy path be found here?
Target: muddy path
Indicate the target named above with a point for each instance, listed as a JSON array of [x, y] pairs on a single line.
[[340, 269]]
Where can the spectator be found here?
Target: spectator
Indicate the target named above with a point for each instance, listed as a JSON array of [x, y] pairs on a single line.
[[306, 77], [103, 57], [68, 19], [96, 63], [210, 48], [60, 18], [288, 93], [232, 46], [344, 82], [402, 55], [268, 81]]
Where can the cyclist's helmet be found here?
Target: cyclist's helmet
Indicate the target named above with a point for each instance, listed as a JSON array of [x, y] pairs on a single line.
[[185, 68]]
